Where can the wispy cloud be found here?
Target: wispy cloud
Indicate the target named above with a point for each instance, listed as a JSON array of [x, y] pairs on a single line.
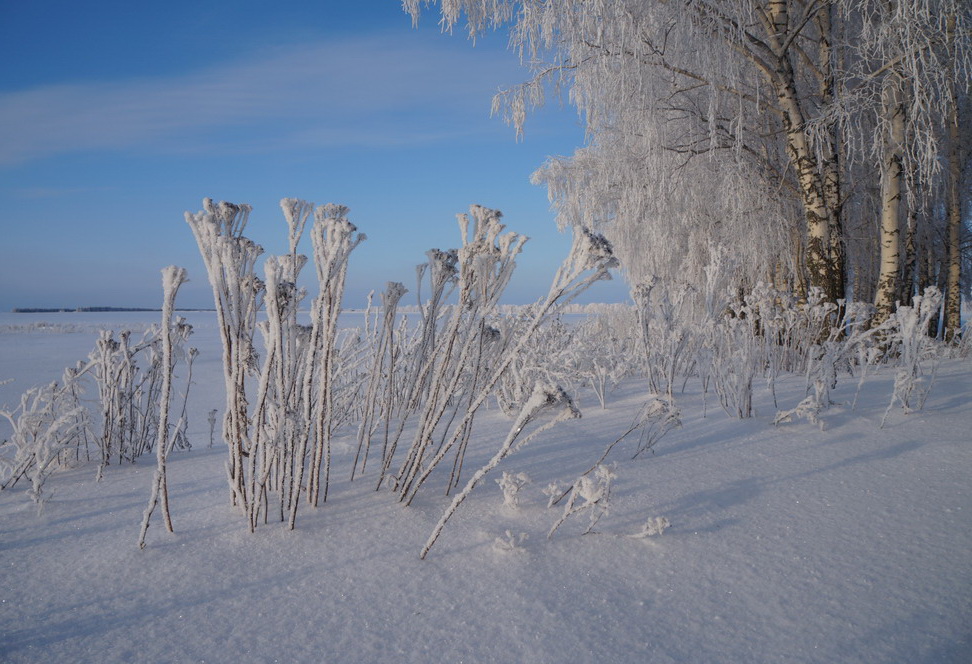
[[54, 192], [364, 90]]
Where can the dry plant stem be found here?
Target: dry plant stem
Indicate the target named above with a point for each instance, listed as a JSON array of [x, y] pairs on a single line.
[[442, 274], [229, 258], [172, 278], [576, 274], [541, 399], [634, 427], [386, 346], [486, 262], [334, 238]]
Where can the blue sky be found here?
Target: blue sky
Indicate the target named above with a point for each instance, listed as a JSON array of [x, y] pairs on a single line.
[[117, 117]]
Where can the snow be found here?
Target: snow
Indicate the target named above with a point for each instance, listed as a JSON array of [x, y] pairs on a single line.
[[785, 544]]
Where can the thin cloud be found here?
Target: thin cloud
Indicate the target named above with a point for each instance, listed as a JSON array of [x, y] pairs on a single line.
[[338, 92], [36, 193]]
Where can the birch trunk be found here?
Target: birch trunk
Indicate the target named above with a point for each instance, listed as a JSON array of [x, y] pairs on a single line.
[[906, 288], [832, 161], [892, 175], [953, 294], [814, 184]]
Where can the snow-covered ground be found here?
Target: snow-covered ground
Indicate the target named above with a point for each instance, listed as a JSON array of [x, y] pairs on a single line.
[[788, 544]]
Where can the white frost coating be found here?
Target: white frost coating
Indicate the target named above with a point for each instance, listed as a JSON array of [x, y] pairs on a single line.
[[482, 268], [543, 398], [760, 127], [378, 397], [510, 484], [41, 429], [172, 278], [333, 238], [230, 263], [656, 525], [510, 542], [589, 260], [917, 349], [594, 493]]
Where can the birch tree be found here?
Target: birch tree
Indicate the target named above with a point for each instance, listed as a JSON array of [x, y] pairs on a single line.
[[738, 123], [734, 81], [953, 41], [912, 63]]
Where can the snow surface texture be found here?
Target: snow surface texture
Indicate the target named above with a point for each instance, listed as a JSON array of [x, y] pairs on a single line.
[[784, 543]]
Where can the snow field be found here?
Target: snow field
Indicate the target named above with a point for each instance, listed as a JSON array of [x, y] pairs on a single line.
[[787, 544]]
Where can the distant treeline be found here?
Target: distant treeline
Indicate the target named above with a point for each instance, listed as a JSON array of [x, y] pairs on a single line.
[[29, 310]]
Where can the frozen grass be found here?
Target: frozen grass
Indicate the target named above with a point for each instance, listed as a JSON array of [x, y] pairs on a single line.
[[786, 544]]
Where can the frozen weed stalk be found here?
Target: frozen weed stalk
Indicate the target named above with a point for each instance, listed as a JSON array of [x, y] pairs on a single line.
[[44, 428], [443, 275], [915, 348], [594, 492], [294, 408], [333, 238], [485, 264], [52, 425], [589, 260], [273, 417], [545, 399], [381, 383], [510, 484], [230, 260], [172, 278]]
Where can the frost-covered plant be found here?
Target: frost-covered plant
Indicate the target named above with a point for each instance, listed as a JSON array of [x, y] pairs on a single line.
[[127, 392], [735, 364], [230, 260], [915, 349], [551, 355], [274, 414], [295, 408], [590, 493], [510, 542], [172, 278], [658, 416], [510, 484], [602, 348], [589, 260], [381, 378], [666, 324], [485, 262], [547, 401], [554, 493], [128, 378], [211, 418], [420, 358], [333, 238], [854, 346], [656, 525], [45, 425]]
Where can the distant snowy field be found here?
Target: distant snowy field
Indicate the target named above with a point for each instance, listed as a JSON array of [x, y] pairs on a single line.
[[788, 544]]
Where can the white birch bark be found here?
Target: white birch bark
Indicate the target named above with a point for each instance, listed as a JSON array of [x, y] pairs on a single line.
[[953, 284], [892, 176]]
